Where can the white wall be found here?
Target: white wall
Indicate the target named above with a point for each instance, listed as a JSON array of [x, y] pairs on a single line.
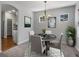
[[77, 25], [22, 32]]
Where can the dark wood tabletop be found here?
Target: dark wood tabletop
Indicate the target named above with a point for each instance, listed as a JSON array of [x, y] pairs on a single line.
[[48, 37]]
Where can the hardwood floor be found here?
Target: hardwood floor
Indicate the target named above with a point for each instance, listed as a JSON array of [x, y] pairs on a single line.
[[7, 43]]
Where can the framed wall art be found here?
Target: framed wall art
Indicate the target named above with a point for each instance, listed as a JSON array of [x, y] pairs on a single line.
[[52, 22], [27, 21], [64, 17]]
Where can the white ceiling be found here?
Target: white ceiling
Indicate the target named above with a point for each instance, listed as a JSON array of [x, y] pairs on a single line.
[[39, 5]]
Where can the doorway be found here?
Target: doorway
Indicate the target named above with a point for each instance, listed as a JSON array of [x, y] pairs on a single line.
[[8, 29]]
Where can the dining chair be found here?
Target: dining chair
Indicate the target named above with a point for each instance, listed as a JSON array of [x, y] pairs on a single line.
[[30, 33], [56, 52], [37, 45], [57, 41]]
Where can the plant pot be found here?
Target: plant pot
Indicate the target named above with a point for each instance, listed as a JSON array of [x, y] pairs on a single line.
[[70, 41]]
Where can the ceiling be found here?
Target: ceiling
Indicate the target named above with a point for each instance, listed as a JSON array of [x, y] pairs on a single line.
[[39, 5]]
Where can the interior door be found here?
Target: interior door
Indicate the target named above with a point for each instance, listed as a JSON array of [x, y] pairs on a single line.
[[9, 27], [2, 25]]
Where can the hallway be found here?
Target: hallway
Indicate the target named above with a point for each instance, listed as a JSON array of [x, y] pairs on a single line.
[[7, 43]]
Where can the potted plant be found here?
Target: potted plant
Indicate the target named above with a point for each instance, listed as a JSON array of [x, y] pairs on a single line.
[[71, 36]]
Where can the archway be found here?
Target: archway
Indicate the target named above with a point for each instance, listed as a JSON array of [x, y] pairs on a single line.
[[9, 24]]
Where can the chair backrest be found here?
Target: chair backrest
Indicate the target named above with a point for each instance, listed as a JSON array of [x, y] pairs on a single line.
[[36, 44], [60, 41], [30, 34], [48, 32]]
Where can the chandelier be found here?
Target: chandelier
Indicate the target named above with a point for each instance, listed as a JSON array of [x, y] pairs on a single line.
[[45, 12]]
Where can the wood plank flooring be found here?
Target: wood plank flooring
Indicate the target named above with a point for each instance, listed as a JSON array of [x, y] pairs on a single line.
[[7, 43]]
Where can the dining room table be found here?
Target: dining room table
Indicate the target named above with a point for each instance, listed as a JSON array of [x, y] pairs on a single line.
[[47, 38]]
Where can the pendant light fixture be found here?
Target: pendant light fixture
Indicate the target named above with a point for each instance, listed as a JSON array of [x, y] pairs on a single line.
[[45, 12]]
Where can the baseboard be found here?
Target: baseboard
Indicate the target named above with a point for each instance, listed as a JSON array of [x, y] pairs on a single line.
[[22, 42]]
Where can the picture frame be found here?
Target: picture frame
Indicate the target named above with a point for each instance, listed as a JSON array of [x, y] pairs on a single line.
[[27, 21], [64, 17], [51, 22]]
